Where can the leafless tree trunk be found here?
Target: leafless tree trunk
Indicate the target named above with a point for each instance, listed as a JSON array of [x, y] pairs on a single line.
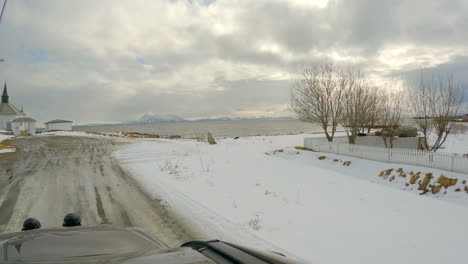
[[359, 105], [317, 97], [434, 103], [391, 114]]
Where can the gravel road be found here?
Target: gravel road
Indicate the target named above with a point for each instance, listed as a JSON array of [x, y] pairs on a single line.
[[50, 176]]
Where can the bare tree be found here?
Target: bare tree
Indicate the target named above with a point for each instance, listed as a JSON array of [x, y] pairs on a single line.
[[317, 97], [434, 103], [358, 104], [391, 114]]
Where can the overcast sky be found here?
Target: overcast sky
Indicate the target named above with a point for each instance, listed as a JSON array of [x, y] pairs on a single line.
[[111, 61]]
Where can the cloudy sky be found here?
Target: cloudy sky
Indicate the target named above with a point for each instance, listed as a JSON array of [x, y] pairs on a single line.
[[111, 61]]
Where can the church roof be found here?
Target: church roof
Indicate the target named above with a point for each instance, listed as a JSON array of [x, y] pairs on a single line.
[[58, 121], [23, 119], [5, 107], [9, 109], [5, 91]]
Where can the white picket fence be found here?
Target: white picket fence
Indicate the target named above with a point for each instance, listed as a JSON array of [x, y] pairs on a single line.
[[444, 161]]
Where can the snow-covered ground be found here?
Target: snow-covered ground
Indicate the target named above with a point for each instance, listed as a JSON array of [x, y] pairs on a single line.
[[5, 149], [263, 192], [457, 143], [3, 137]]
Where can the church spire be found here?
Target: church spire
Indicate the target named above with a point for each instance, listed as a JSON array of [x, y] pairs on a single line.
[[5, 94]]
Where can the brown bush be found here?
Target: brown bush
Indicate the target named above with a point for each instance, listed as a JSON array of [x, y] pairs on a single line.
[[414, 178], [403, 175], [381, 173], [387, 172], [435, 189], [336, 160], [423, 184], [411, 173], [457, 189], [399, 170], [347, 163], [392, 178], [464, 182], [466, 189], [304, 148], [6, 144], [446, 182], [322, 157], [24, 133]]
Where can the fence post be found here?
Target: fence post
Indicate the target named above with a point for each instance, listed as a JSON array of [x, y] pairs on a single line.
[[453, 162]]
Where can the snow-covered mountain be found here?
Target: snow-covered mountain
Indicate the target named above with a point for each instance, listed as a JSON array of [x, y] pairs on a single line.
[[156, 119]]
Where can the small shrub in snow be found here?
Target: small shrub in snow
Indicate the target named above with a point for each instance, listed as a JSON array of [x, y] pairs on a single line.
[[466, 189], [457, 189], [435, 189], [254, 223], [414, 178], [335, 160], [392, 178], [304, 148], [347, 163], [388, 172], [322, 157], [464, 182], [446, 182], [382, 173], [399, 170], [170, 167], [425, 182]]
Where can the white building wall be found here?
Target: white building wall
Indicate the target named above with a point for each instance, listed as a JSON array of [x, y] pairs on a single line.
[[5, 121], [32, 128], [19, 127], [59, 126]]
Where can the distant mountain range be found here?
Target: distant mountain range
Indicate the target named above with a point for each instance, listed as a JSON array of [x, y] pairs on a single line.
[[155, 119], [158, 119]]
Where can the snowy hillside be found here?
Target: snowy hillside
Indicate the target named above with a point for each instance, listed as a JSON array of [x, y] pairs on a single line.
[[259, 189]]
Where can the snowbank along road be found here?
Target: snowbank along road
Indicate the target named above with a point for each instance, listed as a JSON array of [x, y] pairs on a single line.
[[51, 176]]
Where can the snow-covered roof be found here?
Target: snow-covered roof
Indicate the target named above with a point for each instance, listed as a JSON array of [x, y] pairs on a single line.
[[58, 121], [23, 119]]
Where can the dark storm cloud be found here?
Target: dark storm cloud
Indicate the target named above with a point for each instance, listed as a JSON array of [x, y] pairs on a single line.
[[116, 60]]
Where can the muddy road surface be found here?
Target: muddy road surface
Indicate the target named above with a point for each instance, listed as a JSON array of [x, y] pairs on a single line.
[[50, 176]]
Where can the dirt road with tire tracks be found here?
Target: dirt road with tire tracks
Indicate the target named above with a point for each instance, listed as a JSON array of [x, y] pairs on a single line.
[[50, 176]]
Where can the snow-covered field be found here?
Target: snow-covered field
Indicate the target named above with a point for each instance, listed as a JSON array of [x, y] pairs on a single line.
[[263, 192], [5, 149]]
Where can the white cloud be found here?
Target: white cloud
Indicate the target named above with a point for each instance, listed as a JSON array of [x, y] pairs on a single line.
[[98, 54]]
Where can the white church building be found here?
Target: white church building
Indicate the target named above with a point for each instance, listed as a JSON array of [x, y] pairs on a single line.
[[14, 119]]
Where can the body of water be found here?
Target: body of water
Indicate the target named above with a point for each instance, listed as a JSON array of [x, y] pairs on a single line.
[[239, 128]]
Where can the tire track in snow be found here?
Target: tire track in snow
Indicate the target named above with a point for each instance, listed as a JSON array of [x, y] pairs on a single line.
[[50, 176]]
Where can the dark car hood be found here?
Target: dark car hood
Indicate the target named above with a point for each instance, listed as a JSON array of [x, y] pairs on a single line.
[[101, 244]]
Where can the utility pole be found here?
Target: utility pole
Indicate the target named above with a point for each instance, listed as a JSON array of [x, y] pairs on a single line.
[[1, 16]]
